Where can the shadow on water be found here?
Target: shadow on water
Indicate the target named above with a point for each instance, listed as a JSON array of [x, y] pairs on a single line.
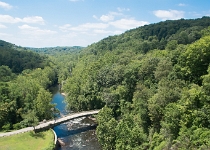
[[63, 133]]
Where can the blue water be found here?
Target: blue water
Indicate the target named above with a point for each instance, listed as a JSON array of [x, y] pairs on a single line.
[[58, 99], [77, 134]]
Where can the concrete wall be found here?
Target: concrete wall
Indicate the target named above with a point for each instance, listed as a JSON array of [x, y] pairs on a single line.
[[55, 140]]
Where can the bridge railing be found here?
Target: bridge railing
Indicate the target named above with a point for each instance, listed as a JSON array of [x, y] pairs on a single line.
[[54, 122], [44, 121]]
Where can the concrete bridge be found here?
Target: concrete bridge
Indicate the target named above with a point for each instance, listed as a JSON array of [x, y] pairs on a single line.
[[52, 123]]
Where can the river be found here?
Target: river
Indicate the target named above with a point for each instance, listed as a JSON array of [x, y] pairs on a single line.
[[77, 134]]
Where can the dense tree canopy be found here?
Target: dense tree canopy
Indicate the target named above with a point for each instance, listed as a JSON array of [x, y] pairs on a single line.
[[24, 81], [153, 82], [19, 60]]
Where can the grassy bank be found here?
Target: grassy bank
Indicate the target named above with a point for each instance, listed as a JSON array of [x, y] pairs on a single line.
[[28, 141]]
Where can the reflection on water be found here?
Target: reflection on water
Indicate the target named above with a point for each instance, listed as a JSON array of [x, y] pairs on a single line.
[[78, 134], [58, 99]]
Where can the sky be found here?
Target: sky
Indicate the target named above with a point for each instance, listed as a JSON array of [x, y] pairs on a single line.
[[50, 23]]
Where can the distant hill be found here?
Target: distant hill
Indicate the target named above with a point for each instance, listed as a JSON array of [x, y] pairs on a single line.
[[153, 36], [55, 50], [18, 58]]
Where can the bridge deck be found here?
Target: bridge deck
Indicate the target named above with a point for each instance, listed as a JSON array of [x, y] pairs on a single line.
[[52, 123]]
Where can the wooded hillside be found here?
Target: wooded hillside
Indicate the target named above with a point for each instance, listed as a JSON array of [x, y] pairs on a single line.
[[57, 50], [24, 81], [19, 59], [152, 84]]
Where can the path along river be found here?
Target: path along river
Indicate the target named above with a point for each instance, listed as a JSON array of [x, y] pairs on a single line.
[[77, 134]]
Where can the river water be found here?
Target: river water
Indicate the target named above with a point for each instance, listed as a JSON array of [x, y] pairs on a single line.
[[77, 134]]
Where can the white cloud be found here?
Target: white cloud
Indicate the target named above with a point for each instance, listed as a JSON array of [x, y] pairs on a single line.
[[123, 9], [107, 18], [4, 35], [5, 5], [70, 35], [33, 19], [26, 29], [169, 14], [65, 27], [25, 26], [127, 23], [94, 16], [98, 31], [181, 4], [89, 26], [118, 32], [116, 13], [10, 19], [2, 26], [108, 32]]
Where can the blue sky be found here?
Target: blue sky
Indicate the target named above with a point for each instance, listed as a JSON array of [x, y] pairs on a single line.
[[49, 23]]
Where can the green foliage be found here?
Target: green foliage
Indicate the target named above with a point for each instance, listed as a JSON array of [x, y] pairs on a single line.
[[24, 94], [30, 119], [163, 69], [129, 135], [206, 82], [152, 83], [106, 129], [106, 133], [19, 60], [56, 50], [172, 45], [193, 138], [17, 126], [195, 60], [6, 74], [6, 127], [206, 31], [171, 121], [43, 104]]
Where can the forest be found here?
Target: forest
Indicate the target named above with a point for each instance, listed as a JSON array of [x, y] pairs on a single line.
[[56, 50], [151, 83], [25, 78]]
